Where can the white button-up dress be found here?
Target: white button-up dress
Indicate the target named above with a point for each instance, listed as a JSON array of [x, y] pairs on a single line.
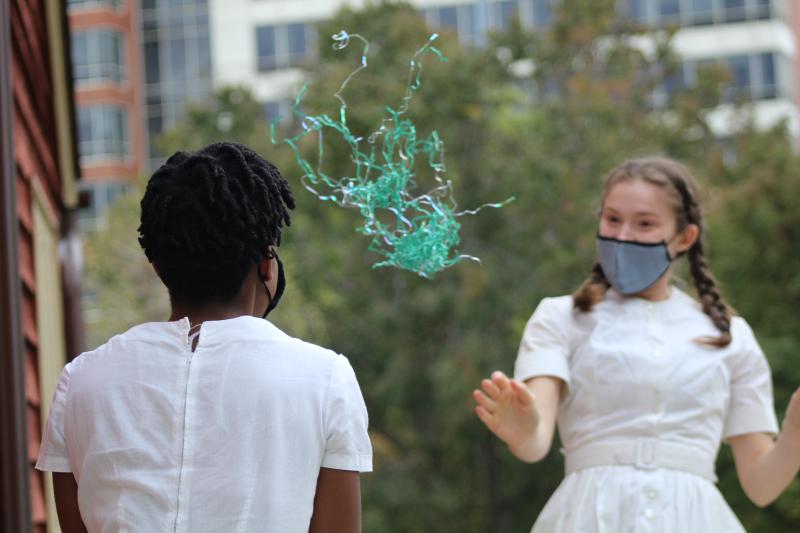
[[228, 438], [644, 412]]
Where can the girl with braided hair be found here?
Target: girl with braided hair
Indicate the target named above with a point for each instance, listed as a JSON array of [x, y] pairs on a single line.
[[644, 381], [214, 420]]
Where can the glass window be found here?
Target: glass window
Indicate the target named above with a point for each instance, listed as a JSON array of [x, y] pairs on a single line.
[[506, 11], [298, 43], [98, 55], [151, 63], [265, 41], [669, 11], [177, 57], [740, 84], [75, 5], [638, 10], [763, 9], [448, 17], [734, 10], [769, 81], [97, 197], [768, 68], [103, 133], [701, 12], [542, 12], [284, 46], [468, 30]]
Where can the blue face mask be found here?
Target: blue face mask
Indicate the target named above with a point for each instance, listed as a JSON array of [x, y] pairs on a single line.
[[631, 266]]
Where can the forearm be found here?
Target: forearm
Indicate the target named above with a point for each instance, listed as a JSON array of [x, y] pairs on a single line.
[[535, 447], [766, 477], [536, 444]]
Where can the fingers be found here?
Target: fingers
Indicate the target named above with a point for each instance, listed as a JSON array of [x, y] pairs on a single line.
[[484, 401], [521, 393], [500, 380], [485, 417], [490, 388]]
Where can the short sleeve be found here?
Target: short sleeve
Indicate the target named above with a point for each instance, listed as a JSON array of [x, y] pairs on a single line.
[[751, 408], [347, 444], [544, 348], [53, 455]]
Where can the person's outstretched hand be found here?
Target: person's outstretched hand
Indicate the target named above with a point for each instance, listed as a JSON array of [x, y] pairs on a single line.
[[508, 408]]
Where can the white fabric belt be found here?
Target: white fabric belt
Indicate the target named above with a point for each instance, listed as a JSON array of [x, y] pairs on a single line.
[[647, 454]]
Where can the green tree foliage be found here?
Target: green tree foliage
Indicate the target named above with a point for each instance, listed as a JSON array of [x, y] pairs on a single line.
[[539, 116]]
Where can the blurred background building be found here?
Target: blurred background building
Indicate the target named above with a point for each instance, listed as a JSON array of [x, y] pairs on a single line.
[[261, 44], [108, 93], [176, 51]]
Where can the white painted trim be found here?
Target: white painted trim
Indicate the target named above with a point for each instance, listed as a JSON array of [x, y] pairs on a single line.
[[731, 39]]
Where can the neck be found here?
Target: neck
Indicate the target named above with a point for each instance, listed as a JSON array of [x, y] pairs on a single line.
[[200, 313]]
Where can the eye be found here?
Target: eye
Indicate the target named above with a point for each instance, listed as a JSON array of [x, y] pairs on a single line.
[[614, 219], [647, 224]]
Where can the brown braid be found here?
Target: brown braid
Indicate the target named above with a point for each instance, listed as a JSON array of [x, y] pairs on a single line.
[[679, 183], [592, 290]]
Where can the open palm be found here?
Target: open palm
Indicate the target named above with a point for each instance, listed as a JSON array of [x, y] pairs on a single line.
[[507, 408]]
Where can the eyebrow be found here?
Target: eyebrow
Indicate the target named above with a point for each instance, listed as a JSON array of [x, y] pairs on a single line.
[[638, 213]]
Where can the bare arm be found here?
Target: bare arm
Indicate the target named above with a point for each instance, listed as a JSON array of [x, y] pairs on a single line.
[[65, 489], [521, 415], [766, 467], [337, 503]]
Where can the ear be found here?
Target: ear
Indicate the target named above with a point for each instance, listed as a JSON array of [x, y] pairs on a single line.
[[265, 267], [688, 237]]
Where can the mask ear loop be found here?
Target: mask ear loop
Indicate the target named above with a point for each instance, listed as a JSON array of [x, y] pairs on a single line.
[[270, 254]]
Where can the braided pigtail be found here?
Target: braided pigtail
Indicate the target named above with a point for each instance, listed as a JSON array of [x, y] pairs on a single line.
[[592, 290], [713, 304]]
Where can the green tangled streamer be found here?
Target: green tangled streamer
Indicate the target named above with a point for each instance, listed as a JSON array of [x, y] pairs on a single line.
[[423, 231]]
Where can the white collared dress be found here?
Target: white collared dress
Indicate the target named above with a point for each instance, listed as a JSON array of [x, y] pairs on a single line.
[[644, 413], [228, 437]]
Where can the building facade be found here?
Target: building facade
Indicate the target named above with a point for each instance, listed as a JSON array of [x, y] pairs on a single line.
[[108, 92], [177, 58], [39, 260], [264, 42], [755, 39]]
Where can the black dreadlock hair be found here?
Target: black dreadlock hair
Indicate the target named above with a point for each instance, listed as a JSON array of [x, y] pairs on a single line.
[[208, 216]]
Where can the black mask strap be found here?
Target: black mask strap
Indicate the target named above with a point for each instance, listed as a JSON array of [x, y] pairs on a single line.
[[273, 300]]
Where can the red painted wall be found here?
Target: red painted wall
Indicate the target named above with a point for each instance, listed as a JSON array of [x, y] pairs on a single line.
[[36, 157]]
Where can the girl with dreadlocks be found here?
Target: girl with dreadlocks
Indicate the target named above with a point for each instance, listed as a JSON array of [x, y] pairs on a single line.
[[215, 420], [644, 381]]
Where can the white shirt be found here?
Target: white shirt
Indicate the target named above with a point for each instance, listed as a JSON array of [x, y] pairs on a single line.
[[634, 373], [229, 437]]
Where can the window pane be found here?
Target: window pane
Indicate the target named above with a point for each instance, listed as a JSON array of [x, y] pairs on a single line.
[[769, 81], [98, 56], [734, 10], [669, 11], [265, 42], [506, 11], [638, 10], [763, 9], [448, 17], [542, 12], [151, 63], [297, 43], [103, 133], [702, 12]]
